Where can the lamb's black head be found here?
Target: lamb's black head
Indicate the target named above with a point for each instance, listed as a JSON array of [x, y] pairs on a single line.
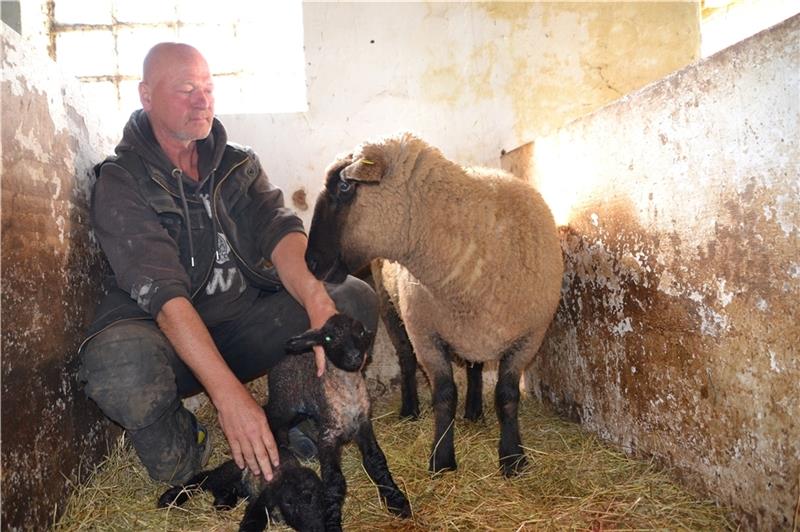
[[345, 340], [300, 499]]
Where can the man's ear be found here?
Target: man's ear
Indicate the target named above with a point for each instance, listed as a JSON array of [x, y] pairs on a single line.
[[144, 96], [303, 343], [365, 170]]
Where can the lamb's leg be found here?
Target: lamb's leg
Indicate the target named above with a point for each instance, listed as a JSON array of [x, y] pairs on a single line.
[[445, 396], [255, 514], [506, 401], [224, 482], [335, 487], [473, 409], [378, 470]]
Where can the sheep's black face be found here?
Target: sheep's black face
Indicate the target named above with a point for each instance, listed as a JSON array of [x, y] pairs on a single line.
[[346, 342], [300, 500], [324, 239]]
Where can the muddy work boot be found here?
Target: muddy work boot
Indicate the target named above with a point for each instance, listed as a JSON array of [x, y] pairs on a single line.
[[203, 443]]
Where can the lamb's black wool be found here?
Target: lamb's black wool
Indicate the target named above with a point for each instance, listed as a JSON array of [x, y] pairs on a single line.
[[338, 404], [294, 494]]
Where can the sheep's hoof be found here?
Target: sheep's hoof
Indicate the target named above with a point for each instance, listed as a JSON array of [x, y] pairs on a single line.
[[437, 466], [473, 414], [399, 505], [513, 465], [409, 411]]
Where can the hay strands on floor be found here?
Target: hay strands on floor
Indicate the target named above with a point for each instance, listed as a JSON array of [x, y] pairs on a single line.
[[573, 481]]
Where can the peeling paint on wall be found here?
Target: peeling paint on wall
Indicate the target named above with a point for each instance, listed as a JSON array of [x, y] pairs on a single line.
[[51, 278], [678, 330]]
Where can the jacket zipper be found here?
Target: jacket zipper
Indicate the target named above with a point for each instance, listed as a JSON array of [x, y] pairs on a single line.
[[233, 248], [213, 220]]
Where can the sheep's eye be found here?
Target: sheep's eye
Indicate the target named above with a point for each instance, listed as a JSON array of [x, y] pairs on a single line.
[[345, 186], [328, 339]]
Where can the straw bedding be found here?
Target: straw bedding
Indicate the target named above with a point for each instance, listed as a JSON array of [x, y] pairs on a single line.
[[574, 482]]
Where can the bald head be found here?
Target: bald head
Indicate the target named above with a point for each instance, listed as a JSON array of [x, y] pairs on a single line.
[[177, 92], [166, 55]]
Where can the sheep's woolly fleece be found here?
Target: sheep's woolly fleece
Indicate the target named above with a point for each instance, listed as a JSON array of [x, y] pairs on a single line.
[[482, 243]]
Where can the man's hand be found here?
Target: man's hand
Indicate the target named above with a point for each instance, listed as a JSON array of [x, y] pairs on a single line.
[[245, 426], [243, 421]]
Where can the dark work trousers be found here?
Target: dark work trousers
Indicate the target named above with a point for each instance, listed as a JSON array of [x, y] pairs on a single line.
[[133, 374]]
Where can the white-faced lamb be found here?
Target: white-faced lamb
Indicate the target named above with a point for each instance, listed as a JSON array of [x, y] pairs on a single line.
[[338, 404], [475, 257], [294, 495]]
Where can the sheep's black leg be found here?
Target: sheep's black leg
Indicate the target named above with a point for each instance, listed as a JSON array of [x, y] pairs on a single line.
[[405, 357], [224, 482], [445, 396], [378, 470], [255, 514], [506, 401], [473, 409], [334, 486]]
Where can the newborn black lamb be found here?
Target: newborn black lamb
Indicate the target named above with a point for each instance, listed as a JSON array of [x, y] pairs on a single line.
[[294, 494], [339, 405]]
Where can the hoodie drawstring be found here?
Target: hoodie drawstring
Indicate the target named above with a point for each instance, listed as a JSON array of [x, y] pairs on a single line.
[[210, 210], [178, 175]]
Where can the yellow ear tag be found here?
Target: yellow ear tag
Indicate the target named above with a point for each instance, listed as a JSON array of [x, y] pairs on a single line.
[[367, 161]]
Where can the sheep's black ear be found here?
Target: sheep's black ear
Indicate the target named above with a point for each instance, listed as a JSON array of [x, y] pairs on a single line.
[[303, 343], [365, 170]]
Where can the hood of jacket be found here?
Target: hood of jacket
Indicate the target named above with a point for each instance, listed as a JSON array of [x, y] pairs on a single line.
[[138, 136]]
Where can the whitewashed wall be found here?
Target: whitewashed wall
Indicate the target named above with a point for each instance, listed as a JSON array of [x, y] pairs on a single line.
[[471, 78]]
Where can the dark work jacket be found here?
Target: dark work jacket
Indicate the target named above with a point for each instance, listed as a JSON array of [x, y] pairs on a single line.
[[139, 211]]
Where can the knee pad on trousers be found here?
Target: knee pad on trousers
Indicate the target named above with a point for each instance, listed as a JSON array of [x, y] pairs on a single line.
[[126, 370]]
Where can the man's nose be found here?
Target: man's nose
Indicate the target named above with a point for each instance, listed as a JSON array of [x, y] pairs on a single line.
[[203, 99]]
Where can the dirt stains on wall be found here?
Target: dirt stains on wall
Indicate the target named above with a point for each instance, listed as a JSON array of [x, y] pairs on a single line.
[[51, 279], [588, 54], [677, 332], [554, 62]]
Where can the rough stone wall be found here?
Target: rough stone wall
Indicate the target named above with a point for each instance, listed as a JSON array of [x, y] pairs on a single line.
[[51, 273], [678, 331]]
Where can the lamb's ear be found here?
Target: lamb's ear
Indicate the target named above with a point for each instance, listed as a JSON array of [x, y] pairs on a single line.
[[365, 170], [303, 343]]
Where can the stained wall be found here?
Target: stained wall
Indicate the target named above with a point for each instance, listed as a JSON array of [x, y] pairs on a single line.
[[51, 274], [472, 78], [677, 335]]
